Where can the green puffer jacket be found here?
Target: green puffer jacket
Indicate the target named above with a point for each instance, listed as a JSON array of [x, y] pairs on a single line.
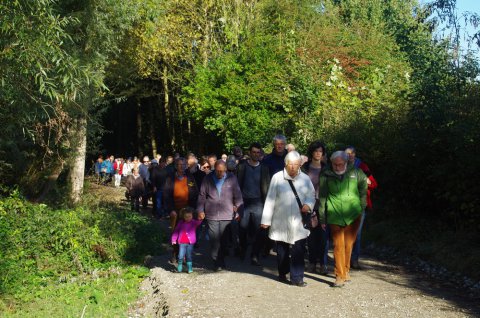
[[343, 197]]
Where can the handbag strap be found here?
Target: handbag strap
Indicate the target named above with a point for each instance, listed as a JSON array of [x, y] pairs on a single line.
[[295, 193]]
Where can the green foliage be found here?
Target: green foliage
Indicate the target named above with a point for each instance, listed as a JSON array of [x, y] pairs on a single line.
[[40, 246], [242, 94]]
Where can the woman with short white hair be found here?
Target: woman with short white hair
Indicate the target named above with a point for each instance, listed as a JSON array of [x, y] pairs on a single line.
[[283, 215]]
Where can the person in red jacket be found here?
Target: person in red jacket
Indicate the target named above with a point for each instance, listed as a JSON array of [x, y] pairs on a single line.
[[372, 184]]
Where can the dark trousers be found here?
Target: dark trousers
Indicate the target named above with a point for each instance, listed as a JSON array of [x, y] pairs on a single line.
[[317, 243], [290, 259], [258, 236], [314, 241], [135, 203], [250, 227], [218, 240]]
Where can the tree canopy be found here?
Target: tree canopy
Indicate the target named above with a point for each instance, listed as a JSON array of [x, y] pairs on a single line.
[[203, 76]]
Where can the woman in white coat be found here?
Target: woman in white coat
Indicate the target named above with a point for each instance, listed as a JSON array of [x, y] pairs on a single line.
[[282, 214]]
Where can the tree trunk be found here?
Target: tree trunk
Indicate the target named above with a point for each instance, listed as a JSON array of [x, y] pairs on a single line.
[[139, 127], [152, 129], [51, 180], [77, 169], [166, 105]]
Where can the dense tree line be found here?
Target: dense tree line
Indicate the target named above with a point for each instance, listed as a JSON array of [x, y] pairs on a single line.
[[207, 75]]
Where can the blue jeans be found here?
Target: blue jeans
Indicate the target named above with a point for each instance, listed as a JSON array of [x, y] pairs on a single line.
[[185, 250], [356, 245]]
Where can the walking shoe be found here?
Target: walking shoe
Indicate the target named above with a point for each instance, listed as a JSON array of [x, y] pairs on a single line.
[[355, 265], [300, 284], [283, 279], [339, 283], [348, 279], [255, 262], [323, 270]]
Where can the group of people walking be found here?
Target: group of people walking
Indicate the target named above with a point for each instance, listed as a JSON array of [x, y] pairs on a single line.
[[279, 200]]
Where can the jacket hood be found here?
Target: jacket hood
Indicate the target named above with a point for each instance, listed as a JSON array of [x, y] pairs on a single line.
[[330, 173]]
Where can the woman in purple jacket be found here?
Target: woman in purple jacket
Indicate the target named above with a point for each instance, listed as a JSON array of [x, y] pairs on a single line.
[[219, 200], [184, 235]]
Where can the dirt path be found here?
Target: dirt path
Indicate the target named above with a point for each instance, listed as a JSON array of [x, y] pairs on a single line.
[[379, 290]]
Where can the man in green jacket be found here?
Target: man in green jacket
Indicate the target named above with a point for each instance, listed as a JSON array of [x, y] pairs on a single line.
[[343, 197]]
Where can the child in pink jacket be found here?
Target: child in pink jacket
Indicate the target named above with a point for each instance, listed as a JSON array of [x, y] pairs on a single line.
[[184, 235]]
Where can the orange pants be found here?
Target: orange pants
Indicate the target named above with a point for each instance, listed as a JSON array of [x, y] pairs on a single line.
[[343, 238]]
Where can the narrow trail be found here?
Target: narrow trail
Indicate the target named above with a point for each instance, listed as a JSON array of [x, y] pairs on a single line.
[[380, 289]]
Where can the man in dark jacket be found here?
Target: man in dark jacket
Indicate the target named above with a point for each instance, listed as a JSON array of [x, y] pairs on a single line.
[[254, 179], [135, 188], [275, 161], [219, 200], [158, 176], [143, 169]]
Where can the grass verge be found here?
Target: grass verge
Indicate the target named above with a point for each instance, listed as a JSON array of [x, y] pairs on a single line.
[[68, 262]]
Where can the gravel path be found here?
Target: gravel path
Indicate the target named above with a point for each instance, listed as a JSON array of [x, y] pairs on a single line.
[[381, 289], [378, 290]]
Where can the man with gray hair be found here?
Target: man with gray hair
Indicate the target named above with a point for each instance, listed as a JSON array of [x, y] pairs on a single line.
[[275, 160], [343, 189], [219, 201], [291, 194]]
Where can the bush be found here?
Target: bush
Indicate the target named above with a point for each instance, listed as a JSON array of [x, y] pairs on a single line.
[[40, 245]]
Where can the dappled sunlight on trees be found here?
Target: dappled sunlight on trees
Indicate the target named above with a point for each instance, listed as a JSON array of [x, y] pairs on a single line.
[[207, 75]]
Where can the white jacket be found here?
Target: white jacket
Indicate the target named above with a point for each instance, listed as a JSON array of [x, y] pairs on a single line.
[[281, 209]]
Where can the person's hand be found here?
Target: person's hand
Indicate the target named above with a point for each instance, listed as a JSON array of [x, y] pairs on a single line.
[[237, 217], [154, 189], [201, 215], [174, 243], [324, 227], [305, 209], [369, 182], [264, 226], [173, 213], [235, 208]]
